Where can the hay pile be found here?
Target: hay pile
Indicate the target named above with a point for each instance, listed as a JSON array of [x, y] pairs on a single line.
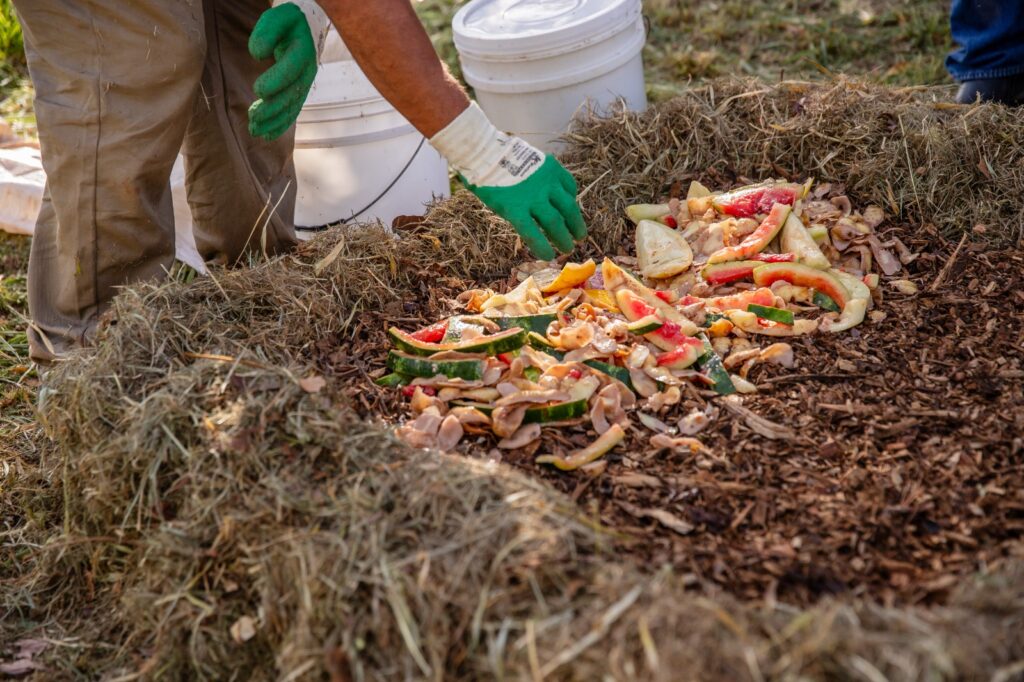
[[201, 511], [909, 150]]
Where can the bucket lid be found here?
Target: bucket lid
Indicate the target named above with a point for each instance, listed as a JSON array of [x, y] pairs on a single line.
[[516, 29]]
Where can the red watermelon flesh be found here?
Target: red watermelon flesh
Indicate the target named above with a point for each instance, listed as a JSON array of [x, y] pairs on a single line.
[[747, 202], [740, 301], [669, 337]]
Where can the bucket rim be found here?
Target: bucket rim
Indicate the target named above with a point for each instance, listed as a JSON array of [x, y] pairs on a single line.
[[589, 72], [509, 47]]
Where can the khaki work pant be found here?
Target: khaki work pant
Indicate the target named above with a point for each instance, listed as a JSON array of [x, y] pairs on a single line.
[[121, 87]]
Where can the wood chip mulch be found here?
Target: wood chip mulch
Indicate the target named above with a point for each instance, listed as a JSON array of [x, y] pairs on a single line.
[[903, 469]]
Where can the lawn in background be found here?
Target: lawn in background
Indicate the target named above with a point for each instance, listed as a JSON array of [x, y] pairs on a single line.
[[898, 43]]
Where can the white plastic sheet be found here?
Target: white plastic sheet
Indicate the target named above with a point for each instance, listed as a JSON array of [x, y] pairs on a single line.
[[21, 189], [22, 180]]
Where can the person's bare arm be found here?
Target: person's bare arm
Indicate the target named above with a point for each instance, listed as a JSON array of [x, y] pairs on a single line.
[[390, 45], [530, 189]]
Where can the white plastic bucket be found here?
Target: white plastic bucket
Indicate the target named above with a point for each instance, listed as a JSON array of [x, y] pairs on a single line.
[[356, 158], [536, 63]]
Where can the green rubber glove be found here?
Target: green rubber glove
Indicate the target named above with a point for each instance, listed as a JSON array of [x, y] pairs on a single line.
[[542, 208], [283, 33]]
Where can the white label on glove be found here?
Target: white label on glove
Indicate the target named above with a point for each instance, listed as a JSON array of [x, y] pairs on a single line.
[[484, 155], [521, 160]]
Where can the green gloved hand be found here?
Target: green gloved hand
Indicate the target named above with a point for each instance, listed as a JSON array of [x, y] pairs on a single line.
[[541, 207], [283, 33]]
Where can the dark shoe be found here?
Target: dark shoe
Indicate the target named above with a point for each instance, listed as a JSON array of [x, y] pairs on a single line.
[[1008, 91]]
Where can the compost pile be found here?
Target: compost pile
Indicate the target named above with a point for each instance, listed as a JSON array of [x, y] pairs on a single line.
[[215, 495], [578, 347]]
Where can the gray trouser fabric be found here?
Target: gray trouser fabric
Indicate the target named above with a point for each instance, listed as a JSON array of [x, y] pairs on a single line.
[[121, 87]]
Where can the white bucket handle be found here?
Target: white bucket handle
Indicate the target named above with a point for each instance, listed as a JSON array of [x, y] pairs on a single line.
[[345, 221]]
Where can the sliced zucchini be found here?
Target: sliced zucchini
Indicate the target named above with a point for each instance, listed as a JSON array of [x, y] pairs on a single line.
[[411, 365]]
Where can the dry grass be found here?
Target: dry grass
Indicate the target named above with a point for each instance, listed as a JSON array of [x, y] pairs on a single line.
[[925, 160], [189, 481]]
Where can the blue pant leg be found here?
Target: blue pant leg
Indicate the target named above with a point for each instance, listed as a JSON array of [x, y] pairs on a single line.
[[990, 36]]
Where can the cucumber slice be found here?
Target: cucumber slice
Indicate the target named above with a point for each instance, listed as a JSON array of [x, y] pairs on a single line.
[[502, 342], [532, 373], [394, 380], [825, 302], [712, 366], [645, 325], [531, 323], [769, 313], [540, 414], [402, 363]]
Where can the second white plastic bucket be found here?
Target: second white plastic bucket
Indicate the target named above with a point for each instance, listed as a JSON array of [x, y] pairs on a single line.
[[356, 158], [535, 63]]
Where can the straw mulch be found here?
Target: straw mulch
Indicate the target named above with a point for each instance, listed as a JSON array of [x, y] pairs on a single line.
[[909, 150], [199, 506]]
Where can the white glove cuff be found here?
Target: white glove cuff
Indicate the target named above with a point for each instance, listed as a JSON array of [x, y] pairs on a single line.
[[485, 156], [319, 24]]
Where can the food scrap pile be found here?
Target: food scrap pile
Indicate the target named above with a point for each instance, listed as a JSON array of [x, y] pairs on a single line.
[[717, 280]]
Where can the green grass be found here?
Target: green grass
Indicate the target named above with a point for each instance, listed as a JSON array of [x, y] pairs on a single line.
[[17, 376], [11, 45], [896, 43], [15, 87]]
